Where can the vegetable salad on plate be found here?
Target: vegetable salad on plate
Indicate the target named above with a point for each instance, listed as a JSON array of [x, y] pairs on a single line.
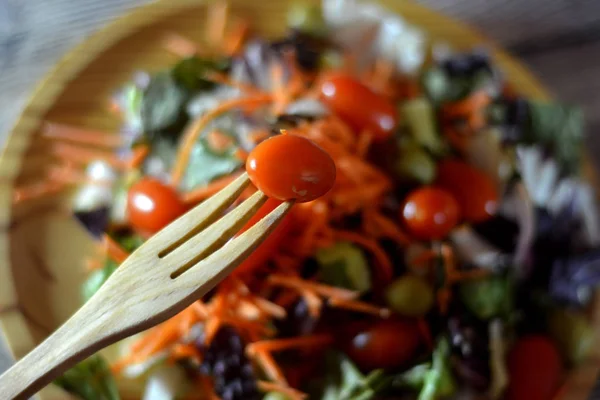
[[454, 257]]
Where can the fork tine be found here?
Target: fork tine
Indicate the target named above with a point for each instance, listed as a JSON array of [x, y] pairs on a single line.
[[200, 217], [210, 271], [215, 236]]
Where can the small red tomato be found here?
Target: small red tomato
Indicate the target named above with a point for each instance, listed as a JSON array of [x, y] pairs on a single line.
[[475, 192], [269, 246], [359, 106], [384, 344], [287, 167], [535, 369], [151, 205], [430, 213]]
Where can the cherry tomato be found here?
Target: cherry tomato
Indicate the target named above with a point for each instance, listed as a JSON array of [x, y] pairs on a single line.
[[269, 246], [430, 213], [383, 344], [151, 205], [359, 106], [535, 369], [475, 192], [287, 167]]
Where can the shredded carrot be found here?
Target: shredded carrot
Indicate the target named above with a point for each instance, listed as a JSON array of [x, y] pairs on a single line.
[[169, 334], [287, 391], [471, 113], [360, 306], [181, 351], [460, 108], [219, 141], [37, 190], [82, 136], [241, 154], [258, 135], [286, 344], [139, 155], [93, 264], [179, 45], [200, 309], [114, 250], [269, 307], [386, 270], [234, 41], [476, 121], [364, 142], [67, 175], [249, 311], [313, 302], [287, 298], [388, 228], [257, 328], [223, 79], [272, 370], [202, 193], [280, 95], [190, 136], [322, 289], [82, 155], [452, 276]]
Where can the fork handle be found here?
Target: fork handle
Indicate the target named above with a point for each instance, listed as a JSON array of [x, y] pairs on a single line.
[[74, 341]]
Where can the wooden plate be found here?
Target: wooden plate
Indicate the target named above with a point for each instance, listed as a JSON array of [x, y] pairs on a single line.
[[41, 247]]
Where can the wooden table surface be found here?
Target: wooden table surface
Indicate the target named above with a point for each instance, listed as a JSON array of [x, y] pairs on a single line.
[[558, 39]]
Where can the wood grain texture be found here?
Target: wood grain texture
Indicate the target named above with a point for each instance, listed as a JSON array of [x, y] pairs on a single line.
[[35, 34]]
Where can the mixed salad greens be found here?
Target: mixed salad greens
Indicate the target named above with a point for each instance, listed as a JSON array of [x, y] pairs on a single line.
[[455, 256]]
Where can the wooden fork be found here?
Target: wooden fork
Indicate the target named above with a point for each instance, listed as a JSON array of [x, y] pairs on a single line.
[[170, 271]]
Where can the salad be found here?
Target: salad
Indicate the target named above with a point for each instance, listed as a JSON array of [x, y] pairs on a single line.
[[454, 257]]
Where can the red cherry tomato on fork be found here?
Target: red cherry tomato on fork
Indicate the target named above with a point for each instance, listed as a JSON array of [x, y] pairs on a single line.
[[359, 106], [535, 369], [151, 205], [430, 213], [290, 167]]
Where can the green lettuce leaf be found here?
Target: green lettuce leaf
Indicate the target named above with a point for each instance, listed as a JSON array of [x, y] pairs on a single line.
[[97, 279], [344, 265], [433, 380], [163, 103], [344, 381], [558, 127], [440, 87], [206, 165], [488, 298], [91, 380], [162, 107], [190, 72]]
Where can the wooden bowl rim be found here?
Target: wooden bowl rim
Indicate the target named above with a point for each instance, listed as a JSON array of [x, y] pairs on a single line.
[[70, 65]]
